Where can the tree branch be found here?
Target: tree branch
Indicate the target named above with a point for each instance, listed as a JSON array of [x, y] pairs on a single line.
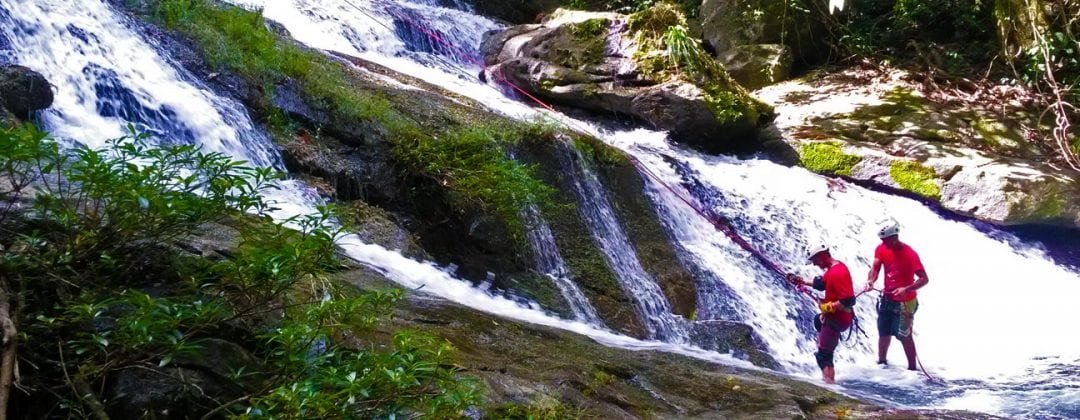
[[7, 347]]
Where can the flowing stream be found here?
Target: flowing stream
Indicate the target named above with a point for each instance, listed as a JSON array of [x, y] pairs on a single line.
[[994, 321]]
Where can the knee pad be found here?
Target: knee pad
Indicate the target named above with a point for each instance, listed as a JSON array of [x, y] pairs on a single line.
[[824, 359]]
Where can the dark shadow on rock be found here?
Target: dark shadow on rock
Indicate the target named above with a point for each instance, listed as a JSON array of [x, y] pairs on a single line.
[[733, 337]]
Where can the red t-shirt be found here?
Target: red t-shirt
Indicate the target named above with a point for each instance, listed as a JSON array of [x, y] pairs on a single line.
[[900, 267], [838, 287]]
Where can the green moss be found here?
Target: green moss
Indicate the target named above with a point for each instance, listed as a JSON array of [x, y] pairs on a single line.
[[583, 45], [827, 158], [913, 176], [1040, 203], [1051, 207], [596, 151], [472, 162]]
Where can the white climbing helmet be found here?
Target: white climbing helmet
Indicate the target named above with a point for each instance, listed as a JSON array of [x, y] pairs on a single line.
[[888, 228], [813, 250]]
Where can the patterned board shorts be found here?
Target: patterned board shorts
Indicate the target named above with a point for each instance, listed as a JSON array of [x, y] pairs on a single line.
[[896, 318]]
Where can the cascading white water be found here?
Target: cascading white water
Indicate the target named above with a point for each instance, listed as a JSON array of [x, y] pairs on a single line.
[[107, 77], [995, 318], [550, 262], [985, 352], [595, 208], [963, 334]]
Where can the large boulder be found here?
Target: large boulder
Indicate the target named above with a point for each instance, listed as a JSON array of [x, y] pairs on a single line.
[[190, 384], [729, 24], [23, 90], [759, 65], [621, 64], [971, 159]]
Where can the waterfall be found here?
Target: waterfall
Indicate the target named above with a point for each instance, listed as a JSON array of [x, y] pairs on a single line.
[[595, 208], [550, 262], [959, 327], [994, 319], [107, 77]]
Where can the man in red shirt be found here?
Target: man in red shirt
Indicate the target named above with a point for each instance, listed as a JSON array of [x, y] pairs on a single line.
[[898, 303], [836, 308]]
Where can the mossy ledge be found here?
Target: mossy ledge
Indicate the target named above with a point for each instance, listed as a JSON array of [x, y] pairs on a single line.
[[914, 177], [827, 158]]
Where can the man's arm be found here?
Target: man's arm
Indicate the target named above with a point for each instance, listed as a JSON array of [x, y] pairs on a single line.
[[921, 279], [871, 277]]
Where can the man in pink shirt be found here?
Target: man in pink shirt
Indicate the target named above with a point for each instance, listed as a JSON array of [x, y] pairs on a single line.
[[898, 303]]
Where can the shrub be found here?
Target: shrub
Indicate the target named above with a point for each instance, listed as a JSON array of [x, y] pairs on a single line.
[[100, 288]]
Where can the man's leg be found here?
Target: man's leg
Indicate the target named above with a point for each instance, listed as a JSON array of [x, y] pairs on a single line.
[[909, 351], [887, 323], [828, 339], [906, 331], [883, 348]]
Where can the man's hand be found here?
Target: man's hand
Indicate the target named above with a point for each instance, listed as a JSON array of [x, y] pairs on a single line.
[[869, 287], [899, 291], [796, 280]]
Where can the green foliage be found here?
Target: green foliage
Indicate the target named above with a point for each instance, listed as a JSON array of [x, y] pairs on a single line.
[[666, 50], [598, 382], [952, 35], [684, 50], [914, 177], [238, 40], [689, 7], [101, 287], [474, 165], [408, 379], [827, 158]]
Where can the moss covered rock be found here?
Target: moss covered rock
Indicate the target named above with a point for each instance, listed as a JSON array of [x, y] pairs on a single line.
[[972, 159], [735, 338], [914, 177], [827, 158], [643, 65]]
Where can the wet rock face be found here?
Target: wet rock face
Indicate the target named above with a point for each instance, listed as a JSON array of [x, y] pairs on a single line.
[[23, 90], [612, 63], [733, 337]]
